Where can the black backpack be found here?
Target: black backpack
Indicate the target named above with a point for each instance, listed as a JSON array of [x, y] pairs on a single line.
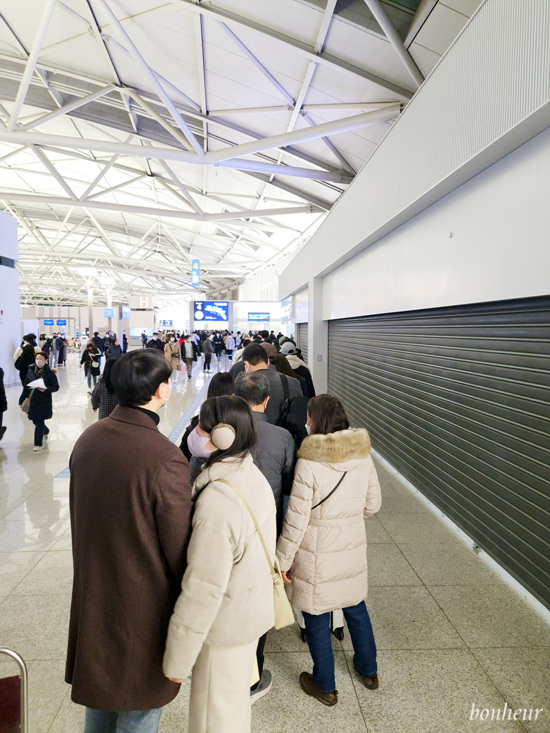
[[293, 415]]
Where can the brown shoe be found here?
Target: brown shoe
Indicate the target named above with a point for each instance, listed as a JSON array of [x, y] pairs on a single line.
[[310, 688], [371, 683]]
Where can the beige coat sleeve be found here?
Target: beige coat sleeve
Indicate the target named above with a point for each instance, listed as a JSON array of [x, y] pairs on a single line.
[[210, 559], [297, 515], [373, 501]]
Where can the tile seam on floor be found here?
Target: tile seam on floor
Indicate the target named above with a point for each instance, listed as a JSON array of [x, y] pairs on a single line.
[[51, 729], [500, 692], [350, 672]]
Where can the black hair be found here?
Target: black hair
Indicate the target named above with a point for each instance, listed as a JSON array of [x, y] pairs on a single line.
[[327, 414], [254, 354], [221, 384], [107, 375], [137, 375], [264, 334], [253, 387], [232, 411]]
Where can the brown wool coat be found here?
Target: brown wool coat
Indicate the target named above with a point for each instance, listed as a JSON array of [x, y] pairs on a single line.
[[130, 505], [326, 547]]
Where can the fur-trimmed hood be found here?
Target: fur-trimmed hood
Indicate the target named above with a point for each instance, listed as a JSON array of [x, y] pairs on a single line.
[[340, 447]]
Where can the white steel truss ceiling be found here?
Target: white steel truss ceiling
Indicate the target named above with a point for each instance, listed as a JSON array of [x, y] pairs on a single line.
[[137, 135]]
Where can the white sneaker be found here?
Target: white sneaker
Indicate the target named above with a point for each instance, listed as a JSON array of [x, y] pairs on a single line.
[[89, 391], [263, 688], [37, 448]]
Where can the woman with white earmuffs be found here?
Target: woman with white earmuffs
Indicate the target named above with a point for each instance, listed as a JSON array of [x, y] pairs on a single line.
[[226, 601]]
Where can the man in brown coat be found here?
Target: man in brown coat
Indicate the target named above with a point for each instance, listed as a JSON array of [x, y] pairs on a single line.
[[130, 502]]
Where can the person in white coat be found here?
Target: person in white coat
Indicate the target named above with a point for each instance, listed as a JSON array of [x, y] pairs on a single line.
[[322, 550], [226, 602]]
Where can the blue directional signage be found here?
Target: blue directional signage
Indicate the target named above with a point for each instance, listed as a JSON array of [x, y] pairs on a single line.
[[259, 316], [108, 312], [61, 323], [48, 322], [166, 324], [125, 312], [210, 310], [195, 273]]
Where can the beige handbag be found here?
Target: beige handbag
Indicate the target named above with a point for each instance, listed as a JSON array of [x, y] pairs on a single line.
[[283, 610]]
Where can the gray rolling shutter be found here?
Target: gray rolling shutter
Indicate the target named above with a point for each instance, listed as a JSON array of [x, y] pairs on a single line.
[[301, 339], [458, 401]]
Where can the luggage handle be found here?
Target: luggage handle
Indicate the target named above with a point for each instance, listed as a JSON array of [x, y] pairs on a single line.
[[24, 686]]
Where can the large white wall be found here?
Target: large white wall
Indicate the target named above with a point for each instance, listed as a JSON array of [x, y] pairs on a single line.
[[488, 240], [10, 320]]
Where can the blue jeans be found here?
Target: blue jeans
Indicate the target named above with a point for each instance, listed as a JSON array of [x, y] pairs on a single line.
[[320, 644], [89, 378], [129, 721], [40, 430]]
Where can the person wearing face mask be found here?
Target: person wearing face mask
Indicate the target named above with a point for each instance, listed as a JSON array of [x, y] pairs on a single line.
[[221, 384], [226, 600], [322, 550], [91, 360], [40, 407], [130, 522], [155, 342], [189, 354], [172, 352]]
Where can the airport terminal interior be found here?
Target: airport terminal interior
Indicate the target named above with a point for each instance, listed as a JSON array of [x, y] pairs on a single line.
[[369, 178]]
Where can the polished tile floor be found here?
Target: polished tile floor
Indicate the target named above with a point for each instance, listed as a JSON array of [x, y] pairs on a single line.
[[450, 634]]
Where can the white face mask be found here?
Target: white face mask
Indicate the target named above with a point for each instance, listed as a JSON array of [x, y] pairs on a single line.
[[197, 445], [40, 363], [172, 340]]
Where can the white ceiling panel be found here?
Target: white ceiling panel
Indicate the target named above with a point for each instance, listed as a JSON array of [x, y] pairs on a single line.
[[217, 190]]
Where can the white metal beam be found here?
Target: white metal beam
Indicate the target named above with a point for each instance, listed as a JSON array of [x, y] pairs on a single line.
[[395, 39]]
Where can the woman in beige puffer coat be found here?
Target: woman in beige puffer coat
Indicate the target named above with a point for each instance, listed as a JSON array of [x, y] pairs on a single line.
[[323, 549]]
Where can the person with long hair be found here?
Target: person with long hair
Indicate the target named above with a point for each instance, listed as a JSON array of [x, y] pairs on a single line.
[[226, 600], [41, 405], [104, 397], [91, 358], [322, 550]]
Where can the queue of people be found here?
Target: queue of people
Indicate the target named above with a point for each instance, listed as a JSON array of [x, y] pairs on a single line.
[[169, 546], [178, 562]]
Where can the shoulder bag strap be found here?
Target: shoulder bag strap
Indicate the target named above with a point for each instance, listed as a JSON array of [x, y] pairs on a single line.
[[331, 493], [272, 570]]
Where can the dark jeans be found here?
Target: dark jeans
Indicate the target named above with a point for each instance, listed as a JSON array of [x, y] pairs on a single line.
[[129, 721], [320, 644], [40, 430], [207, 360], [60, 355], [260, 659]]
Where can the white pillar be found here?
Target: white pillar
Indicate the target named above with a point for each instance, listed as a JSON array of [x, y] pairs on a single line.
[[317, 332], [91, 312]]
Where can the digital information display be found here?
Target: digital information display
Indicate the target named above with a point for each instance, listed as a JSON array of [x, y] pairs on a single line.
[[124, 312], [211, 310], [259, 317], [287, 310]]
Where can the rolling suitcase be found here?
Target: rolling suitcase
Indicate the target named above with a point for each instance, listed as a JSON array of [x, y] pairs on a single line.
[[336, 624]]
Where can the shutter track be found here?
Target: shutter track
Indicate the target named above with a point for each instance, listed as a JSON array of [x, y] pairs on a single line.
[[302, 339], [458, 401]]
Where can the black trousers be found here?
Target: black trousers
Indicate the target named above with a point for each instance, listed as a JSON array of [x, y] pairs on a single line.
[[207, 360], [260, 658]]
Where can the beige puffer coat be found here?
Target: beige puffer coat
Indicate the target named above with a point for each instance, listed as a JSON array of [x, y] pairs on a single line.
[[326, 548], [227, 591]]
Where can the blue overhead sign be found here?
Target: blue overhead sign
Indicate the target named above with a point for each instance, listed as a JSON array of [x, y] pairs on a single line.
[[48, 322], [61, 323], [259, 316], [166, 324], [125, 312], [108, 312], [210, 310], [195, 273]]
